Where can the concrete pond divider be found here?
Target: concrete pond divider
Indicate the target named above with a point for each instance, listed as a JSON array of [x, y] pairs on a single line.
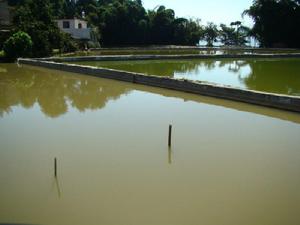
[[284, 102], [170, 57]]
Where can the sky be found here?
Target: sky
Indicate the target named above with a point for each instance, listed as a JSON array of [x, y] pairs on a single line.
[[217, 11]]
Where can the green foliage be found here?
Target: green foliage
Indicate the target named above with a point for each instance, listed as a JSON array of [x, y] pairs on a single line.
[[211, 33], [227, 35], [277, 22], [115, 23], [36, 17], [234, 36], [57, 7], [67, 44], [243, 33], [69, 10], [18, 45], [123, 23], [161, 25], [128, 23]]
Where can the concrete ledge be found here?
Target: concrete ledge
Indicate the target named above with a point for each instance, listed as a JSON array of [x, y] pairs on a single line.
[[200, 48], [164, 57], [285, 102]]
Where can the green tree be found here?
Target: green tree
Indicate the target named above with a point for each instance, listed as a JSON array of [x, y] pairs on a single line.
[[117, 22], [18, 45], [69, 10], [57, 7], [122, 22], [126, 22], [161, 25], [187, 32], [211, 33], [35, 18], [227, 35], [243, 33], [236, 36], [276, 22]]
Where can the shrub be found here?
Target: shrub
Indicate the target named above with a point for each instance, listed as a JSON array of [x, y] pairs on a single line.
[[18, 45], [67, 44]]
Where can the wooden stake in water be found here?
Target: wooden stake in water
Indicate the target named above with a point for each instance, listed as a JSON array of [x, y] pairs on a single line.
[[55, 167], [170, 136], [170, 155]]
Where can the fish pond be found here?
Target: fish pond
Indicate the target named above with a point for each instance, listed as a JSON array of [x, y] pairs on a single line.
[[281, 76], [229, 163], [178, 51]]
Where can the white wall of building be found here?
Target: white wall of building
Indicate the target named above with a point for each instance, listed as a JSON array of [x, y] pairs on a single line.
[[77, 28]]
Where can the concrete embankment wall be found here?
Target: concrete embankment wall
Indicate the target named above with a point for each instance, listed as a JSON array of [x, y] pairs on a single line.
[[291, 103], [170, 57], [198, 48]]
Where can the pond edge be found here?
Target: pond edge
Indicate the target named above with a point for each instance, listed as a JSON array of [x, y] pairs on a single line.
[[279, 101]]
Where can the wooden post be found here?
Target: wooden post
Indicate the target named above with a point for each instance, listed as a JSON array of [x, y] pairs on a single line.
[[170, 155], [55, 167], [170, 136]]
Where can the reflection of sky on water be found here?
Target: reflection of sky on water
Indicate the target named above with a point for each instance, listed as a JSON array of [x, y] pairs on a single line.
[[280, 76], [231, 74]]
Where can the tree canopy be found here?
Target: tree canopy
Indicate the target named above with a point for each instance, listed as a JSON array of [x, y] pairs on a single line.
[[127, 22], [119, 22], [277, 22], [35, 17], [18, 45]]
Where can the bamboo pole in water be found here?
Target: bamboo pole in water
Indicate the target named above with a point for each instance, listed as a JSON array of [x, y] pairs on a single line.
[[170, 136], [55, 167]]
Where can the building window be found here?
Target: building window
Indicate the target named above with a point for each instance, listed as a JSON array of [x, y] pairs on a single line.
[[79, 26], [66, 24]]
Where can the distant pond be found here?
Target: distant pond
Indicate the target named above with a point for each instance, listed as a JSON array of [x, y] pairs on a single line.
[[280, 76]]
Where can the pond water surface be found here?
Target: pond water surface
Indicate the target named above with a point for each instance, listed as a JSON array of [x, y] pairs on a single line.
[[270, 75], [230, 163], [179, 51]]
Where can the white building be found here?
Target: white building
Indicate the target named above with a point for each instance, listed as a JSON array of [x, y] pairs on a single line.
[[76, 27]]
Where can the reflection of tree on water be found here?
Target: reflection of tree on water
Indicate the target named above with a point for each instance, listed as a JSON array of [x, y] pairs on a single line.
[[279, 76], [234, 66], [53, 90], [157, 67], [172, 67], [29, 85]]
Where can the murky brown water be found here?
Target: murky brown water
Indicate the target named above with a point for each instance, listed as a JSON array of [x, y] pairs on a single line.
[[230, 163]]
